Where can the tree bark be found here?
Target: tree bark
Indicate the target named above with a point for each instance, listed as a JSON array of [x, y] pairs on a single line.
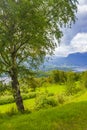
[[15, 84], [16, 90]]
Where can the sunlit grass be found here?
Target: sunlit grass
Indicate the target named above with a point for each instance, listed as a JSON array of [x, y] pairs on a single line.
[[7, 107], [81, 97], [71, 116], [29, 104], [55, 89], [52, 88]]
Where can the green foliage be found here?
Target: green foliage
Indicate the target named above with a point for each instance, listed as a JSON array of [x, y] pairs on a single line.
[[43, 101], [59, 76], [52, 101], [29, 95], [71, 87], [6, 100], [33, 83], [50, 94], [83, 80], [61, 98], [4, 88], [28, 29]]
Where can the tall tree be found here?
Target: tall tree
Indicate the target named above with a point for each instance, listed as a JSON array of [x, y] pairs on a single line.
[[27, 32]]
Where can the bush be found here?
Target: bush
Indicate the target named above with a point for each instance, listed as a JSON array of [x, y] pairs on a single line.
[[6, 100], [58, 76], [10, 99], [43, 101], [72, 89], [50, 94], [52, 102], [83, 80], [61, 98], [29, 96]]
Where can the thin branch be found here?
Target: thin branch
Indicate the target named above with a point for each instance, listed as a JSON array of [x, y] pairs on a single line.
[[3, 70], [21, 60], [5, 61]]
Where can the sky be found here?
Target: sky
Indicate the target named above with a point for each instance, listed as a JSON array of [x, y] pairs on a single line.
[[75, 39]]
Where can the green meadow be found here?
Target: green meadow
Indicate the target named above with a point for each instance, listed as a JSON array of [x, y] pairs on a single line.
[[54, 104], [70, 116]]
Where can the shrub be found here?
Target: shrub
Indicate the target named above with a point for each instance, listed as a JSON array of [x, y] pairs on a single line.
[[6, 100], [50, 94], [52, 102], [43, 101], [71, 88], [10, 99], [61, 98], [83, 80], [58, 76], [29, 96]]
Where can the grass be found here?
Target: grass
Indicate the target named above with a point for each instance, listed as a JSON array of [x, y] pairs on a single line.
[[29, 103], [72, 115], [52, 88], [55, 89], [66, 117], [7, 107]]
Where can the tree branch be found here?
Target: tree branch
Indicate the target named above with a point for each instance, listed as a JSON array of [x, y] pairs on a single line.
[[4, 60]]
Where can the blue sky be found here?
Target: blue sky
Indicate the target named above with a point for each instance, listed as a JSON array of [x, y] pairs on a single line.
[[75, 39]]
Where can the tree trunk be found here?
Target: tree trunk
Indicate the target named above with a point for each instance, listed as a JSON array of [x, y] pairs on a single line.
[[16, 90]]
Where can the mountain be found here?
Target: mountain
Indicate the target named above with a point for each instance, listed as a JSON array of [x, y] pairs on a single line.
[[74, 61], [79, 59]]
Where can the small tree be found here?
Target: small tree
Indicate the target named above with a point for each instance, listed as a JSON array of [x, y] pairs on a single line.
[[32, 83], [59, 76], [27, 31], [71, 87], [83, 80]]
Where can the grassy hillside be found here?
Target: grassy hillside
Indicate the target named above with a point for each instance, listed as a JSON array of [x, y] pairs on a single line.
[[72, 116], [29, 103], [51, 106]]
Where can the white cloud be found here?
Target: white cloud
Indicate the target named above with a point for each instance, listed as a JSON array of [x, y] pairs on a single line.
[[62, 50], [77, 44], [82, 9], [75, 39], [82, 2]]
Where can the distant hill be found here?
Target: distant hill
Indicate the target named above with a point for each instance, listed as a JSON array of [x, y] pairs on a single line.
[[74, 61], [79, 59]]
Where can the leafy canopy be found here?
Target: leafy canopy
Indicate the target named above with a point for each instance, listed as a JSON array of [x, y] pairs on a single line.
[[28, 29]]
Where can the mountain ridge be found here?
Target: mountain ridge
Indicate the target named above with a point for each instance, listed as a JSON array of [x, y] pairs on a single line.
[[72, 61]]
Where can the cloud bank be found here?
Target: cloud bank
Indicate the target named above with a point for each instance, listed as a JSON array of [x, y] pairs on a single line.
[[77, 44], [75, 39]]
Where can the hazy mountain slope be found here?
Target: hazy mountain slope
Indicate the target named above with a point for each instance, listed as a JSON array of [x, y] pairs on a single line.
[[72, 61]]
